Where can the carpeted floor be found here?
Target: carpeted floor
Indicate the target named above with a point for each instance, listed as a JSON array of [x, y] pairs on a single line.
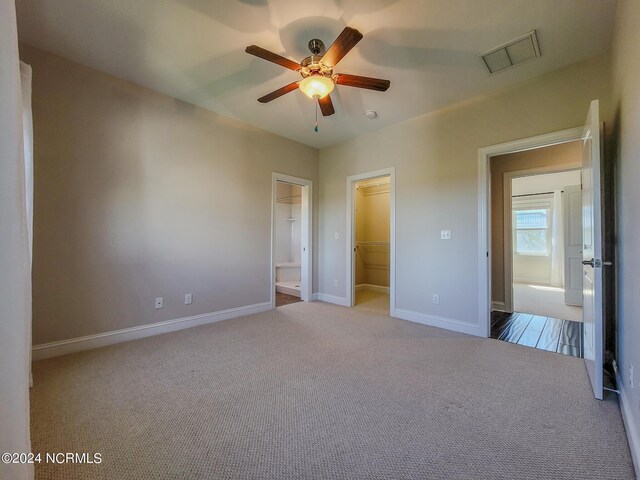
[[374, 302], [313, 390]]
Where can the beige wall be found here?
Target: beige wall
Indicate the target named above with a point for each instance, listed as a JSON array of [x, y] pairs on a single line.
[[557, 155], [626, 133], [15, 291], [139, 195], [436, 159]]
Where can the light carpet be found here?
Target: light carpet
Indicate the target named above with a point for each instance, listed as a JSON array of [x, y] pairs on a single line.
[[313, 390], [375, 302], [544, 300]]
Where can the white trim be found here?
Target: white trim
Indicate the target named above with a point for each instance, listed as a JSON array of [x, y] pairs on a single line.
[[288, 290], [325, 297], [440, 322], [484, 215], [306, 237], [314, 297], [630, 426], [499, 306], [63, 347], [349, 234], [372, 288]]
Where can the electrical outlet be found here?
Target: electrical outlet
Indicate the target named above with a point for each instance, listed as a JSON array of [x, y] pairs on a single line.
[[335, 282], [336, 235], [445, 234], [436, 298], [631, 375], [159, 302], [188, 298]]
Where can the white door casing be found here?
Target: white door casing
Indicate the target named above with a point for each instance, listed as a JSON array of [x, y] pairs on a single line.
[[572, 204], [484, 213], [592, 252], [350, 235]]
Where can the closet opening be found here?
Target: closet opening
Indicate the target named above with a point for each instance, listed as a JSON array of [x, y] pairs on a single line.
[[372, 244]]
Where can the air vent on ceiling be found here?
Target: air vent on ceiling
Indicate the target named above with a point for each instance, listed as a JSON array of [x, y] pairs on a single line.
[[517, 51]]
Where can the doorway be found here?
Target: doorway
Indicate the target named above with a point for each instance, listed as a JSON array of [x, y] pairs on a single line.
[[596, 182], [546, 246], [537, 226], [291, 277], [372, 245], [371, 241]]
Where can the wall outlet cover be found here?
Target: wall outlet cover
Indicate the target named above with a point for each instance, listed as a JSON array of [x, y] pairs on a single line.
[[188, 298], [159, 302]]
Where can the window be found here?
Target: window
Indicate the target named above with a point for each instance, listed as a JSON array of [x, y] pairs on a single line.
[[532, 231]]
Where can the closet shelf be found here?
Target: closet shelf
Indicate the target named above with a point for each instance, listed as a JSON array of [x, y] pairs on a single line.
[[290, 219]]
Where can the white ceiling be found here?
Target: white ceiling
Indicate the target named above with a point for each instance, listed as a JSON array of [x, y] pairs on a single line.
[[194, 50], [547, 182]]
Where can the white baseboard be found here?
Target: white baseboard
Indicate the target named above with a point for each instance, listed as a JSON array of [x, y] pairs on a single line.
[[532, 281], [630, 425], [288, 290], [62, 347], [314, 297], [324, 297], [499, 306], [440, 322], [372, 288]]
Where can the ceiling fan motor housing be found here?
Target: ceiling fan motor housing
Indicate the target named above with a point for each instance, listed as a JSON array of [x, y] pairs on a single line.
[[316, 47], [312, 65]]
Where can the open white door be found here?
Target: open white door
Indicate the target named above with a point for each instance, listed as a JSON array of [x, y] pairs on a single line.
[[572, 204], [592, 251]]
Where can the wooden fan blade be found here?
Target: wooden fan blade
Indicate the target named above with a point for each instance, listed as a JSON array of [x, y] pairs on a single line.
[[272, 57], [278, 93], [345, 42], [326, 106], [362, 82]]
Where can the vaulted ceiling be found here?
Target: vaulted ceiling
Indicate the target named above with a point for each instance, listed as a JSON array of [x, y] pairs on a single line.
[[193, 50]]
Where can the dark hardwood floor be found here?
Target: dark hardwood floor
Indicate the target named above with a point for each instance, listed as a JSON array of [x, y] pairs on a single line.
[[286, 299], [544, 333]]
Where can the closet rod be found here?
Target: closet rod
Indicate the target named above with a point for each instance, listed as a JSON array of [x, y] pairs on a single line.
[[533, 194]]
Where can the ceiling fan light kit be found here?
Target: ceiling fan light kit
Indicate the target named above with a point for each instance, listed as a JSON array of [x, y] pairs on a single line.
[[318, 79], [316, 86]]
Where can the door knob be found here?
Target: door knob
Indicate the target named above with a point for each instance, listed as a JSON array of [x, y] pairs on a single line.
[[588, 262]]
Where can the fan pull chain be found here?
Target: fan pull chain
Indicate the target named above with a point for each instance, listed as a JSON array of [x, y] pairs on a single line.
[[316, 127]]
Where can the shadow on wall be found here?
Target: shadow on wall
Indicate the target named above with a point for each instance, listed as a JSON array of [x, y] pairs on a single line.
[[610, 245]]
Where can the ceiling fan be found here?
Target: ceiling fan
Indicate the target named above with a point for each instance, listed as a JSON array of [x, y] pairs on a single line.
[[318, 79]]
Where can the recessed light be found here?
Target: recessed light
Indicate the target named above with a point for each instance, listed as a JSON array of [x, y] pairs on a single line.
[[371, 114]]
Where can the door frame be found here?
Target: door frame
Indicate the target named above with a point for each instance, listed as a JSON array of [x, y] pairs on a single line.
[[507, 242], [484, 209], [350, 234], [306, 235]]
